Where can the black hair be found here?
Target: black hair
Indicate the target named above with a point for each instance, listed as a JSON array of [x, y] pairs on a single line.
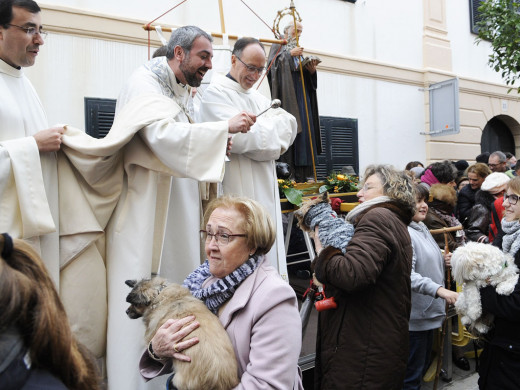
[[444, 171], [6, 9], [160, 52], [413, 164], [242, 43], [421, 193], [482, 157]]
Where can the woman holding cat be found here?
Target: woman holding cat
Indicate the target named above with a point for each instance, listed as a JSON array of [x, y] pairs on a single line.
[[256, 307], [363, 343], [500, 360]]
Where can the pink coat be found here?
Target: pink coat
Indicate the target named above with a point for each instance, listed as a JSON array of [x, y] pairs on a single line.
[[263, 323]]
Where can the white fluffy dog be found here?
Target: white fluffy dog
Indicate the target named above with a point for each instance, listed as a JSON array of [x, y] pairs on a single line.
[[479, 265]]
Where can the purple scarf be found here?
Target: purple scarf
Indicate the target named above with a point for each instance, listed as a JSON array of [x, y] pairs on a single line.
[[429, 178]]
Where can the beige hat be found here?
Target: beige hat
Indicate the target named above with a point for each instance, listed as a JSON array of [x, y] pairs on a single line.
[[495, 182]]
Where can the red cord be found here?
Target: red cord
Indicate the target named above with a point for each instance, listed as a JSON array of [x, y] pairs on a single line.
[[148, 26], [269, 67], [272, 30]]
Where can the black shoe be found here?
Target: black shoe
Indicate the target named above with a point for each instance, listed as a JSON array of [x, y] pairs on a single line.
[[462, 363]]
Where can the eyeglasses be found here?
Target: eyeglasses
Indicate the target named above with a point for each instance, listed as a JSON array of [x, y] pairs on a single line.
[[367, 187], [512, 199], [495, 165], [31, 30], [220, 238], [250, 68]]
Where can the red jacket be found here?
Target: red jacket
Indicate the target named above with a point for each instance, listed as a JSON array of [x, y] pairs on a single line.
[[495, 226]]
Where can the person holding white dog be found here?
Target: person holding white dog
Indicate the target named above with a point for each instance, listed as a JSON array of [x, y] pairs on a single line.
[[255, 305], [500, 360], [428, 312]]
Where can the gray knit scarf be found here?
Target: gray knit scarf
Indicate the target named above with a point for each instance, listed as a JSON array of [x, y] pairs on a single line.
[[223, 289], [511, 239], [333, 231]]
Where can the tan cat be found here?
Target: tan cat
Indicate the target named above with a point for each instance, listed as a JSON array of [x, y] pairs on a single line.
[[213, 364]]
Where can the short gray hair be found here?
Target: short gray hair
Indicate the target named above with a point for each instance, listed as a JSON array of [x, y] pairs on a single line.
[[184, 37], [501, 156]]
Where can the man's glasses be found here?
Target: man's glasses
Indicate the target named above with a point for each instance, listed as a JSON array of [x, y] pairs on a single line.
[[495, 165], [250, 68], [31, 30], [512, 199], [220, 238]]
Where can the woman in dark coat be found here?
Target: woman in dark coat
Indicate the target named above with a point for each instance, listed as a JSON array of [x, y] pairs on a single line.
[[466, 197], [363, 343], [500, 360]]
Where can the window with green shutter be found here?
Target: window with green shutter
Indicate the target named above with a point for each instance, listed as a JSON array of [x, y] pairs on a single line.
[[99, 116]]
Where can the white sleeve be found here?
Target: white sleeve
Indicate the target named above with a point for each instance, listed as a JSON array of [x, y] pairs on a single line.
[[269, 137], [24, 209]]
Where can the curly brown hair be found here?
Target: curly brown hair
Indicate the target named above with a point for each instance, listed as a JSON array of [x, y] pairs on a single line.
[[397, 185]]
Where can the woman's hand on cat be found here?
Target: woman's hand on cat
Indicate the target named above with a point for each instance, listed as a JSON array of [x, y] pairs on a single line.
[[169, 341]]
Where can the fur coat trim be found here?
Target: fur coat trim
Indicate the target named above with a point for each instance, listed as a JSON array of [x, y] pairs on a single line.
[[445, 193]]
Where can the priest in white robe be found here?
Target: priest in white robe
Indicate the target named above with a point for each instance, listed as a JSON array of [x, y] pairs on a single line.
[[127, 184], [28, 172], [251, 170]]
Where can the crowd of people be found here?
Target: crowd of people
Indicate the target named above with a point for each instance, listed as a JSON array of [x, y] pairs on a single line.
[[83, 215], [481, 208]]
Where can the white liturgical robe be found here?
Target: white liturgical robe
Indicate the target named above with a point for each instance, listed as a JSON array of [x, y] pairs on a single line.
[[251, 170], [28, 180], [127, 182]]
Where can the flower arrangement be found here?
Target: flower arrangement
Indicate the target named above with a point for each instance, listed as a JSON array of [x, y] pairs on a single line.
[[337, 182], [287, 190]]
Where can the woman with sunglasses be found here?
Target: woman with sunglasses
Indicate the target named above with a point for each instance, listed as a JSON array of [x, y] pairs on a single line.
[[500, 360]]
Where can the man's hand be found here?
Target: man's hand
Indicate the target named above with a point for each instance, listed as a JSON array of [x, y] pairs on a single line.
[[229, 146], [297, 51], [447, 259], [49, 140], [242, 122]]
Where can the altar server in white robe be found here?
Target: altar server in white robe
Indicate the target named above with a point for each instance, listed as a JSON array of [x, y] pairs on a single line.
[[28, 172], [251, 170]]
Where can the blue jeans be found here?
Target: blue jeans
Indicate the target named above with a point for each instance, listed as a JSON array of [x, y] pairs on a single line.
[[418, 359]]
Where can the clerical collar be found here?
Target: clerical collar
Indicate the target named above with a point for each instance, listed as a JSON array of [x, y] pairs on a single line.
[[231, 77], [10, 70], [15, 67]]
